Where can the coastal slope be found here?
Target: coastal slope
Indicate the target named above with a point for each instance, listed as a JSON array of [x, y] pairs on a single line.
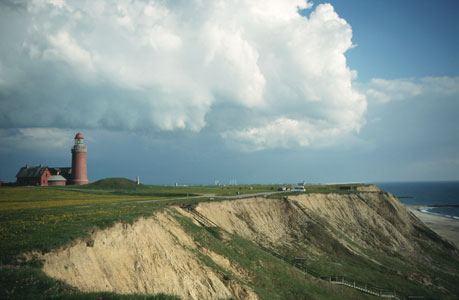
[[446, 227], [365, 235]]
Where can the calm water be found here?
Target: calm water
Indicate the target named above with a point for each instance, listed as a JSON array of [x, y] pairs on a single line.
[[444, 194]]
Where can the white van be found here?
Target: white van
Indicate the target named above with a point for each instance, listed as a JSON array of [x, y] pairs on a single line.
[[297, 188]]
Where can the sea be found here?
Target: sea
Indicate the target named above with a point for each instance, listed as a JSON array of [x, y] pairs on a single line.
[[439, 197]]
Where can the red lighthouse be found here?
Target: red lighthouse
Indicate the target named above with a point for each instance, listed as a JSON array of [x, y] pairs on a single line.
[[79, 169]]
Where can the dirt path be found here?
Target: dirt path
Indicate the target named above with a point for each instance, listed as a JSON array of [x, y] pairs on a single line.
[[213, 196]]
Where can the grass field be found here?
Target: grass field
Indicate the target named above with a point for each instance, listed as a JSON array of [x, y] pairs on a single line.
[[43, 218]]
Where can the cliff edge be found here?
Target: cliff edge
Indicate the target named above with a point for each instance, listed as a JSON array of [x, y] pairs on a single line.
[[367, 235]]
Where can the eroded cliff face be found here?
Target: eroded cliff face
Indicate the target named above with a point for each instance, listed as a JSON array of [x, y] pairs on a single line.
[[279, 221], [325, 222], [156, 255], [377, 220], [151, 256]]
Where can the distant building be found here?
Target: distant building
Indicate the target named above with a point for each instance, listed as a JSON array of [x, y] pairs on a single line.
[[33, 175], [57, 180], [62, 171], [346, 188], [43, 176]]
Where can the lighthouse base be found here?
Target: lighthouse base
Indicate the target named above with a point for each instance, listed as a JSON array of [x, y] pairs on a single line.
[[79, 182]]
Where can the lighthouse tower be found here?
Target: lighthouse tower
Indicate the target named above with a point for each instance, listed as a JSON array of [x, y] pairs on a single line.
[[79, 169]]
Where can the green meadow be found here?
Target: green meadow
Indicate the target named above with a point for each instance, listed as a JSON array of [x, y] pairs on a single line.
[[43, 218]]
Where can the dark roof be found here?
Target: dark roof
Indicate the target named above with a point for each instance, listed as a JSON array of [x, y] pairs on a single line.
[[79, 136], [65, 172], [28, 171], [61, 170]]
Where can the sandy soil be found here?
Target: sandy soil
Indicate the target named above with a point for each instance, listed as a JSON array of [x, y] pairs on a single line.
[[445, 227], [152, 255], [373, 219]]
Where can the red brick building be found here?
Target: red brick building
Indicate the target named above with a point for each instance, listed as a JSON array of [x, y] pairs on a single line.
[[79, 169], [43, 176], [57, 180], [33, 175]]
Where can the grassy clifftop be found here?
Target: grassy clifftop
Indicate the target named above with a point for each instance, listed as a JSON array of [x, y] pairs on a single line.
[[368, 236]]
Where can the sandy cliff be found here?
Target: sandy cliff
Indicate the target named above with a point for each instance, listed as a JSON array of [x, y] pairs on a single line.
[[156, 255], [151, 256], [373, 219]]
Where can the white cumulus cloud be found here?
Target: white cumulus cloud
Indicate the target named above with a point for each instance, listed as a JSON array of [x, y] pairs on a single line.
[[172, 65], [62, 47], [35, 139]]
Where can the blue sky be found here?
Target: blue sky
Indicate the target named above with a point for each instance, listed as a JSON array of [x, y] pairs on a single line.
[[197, 91], [402, 39]]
